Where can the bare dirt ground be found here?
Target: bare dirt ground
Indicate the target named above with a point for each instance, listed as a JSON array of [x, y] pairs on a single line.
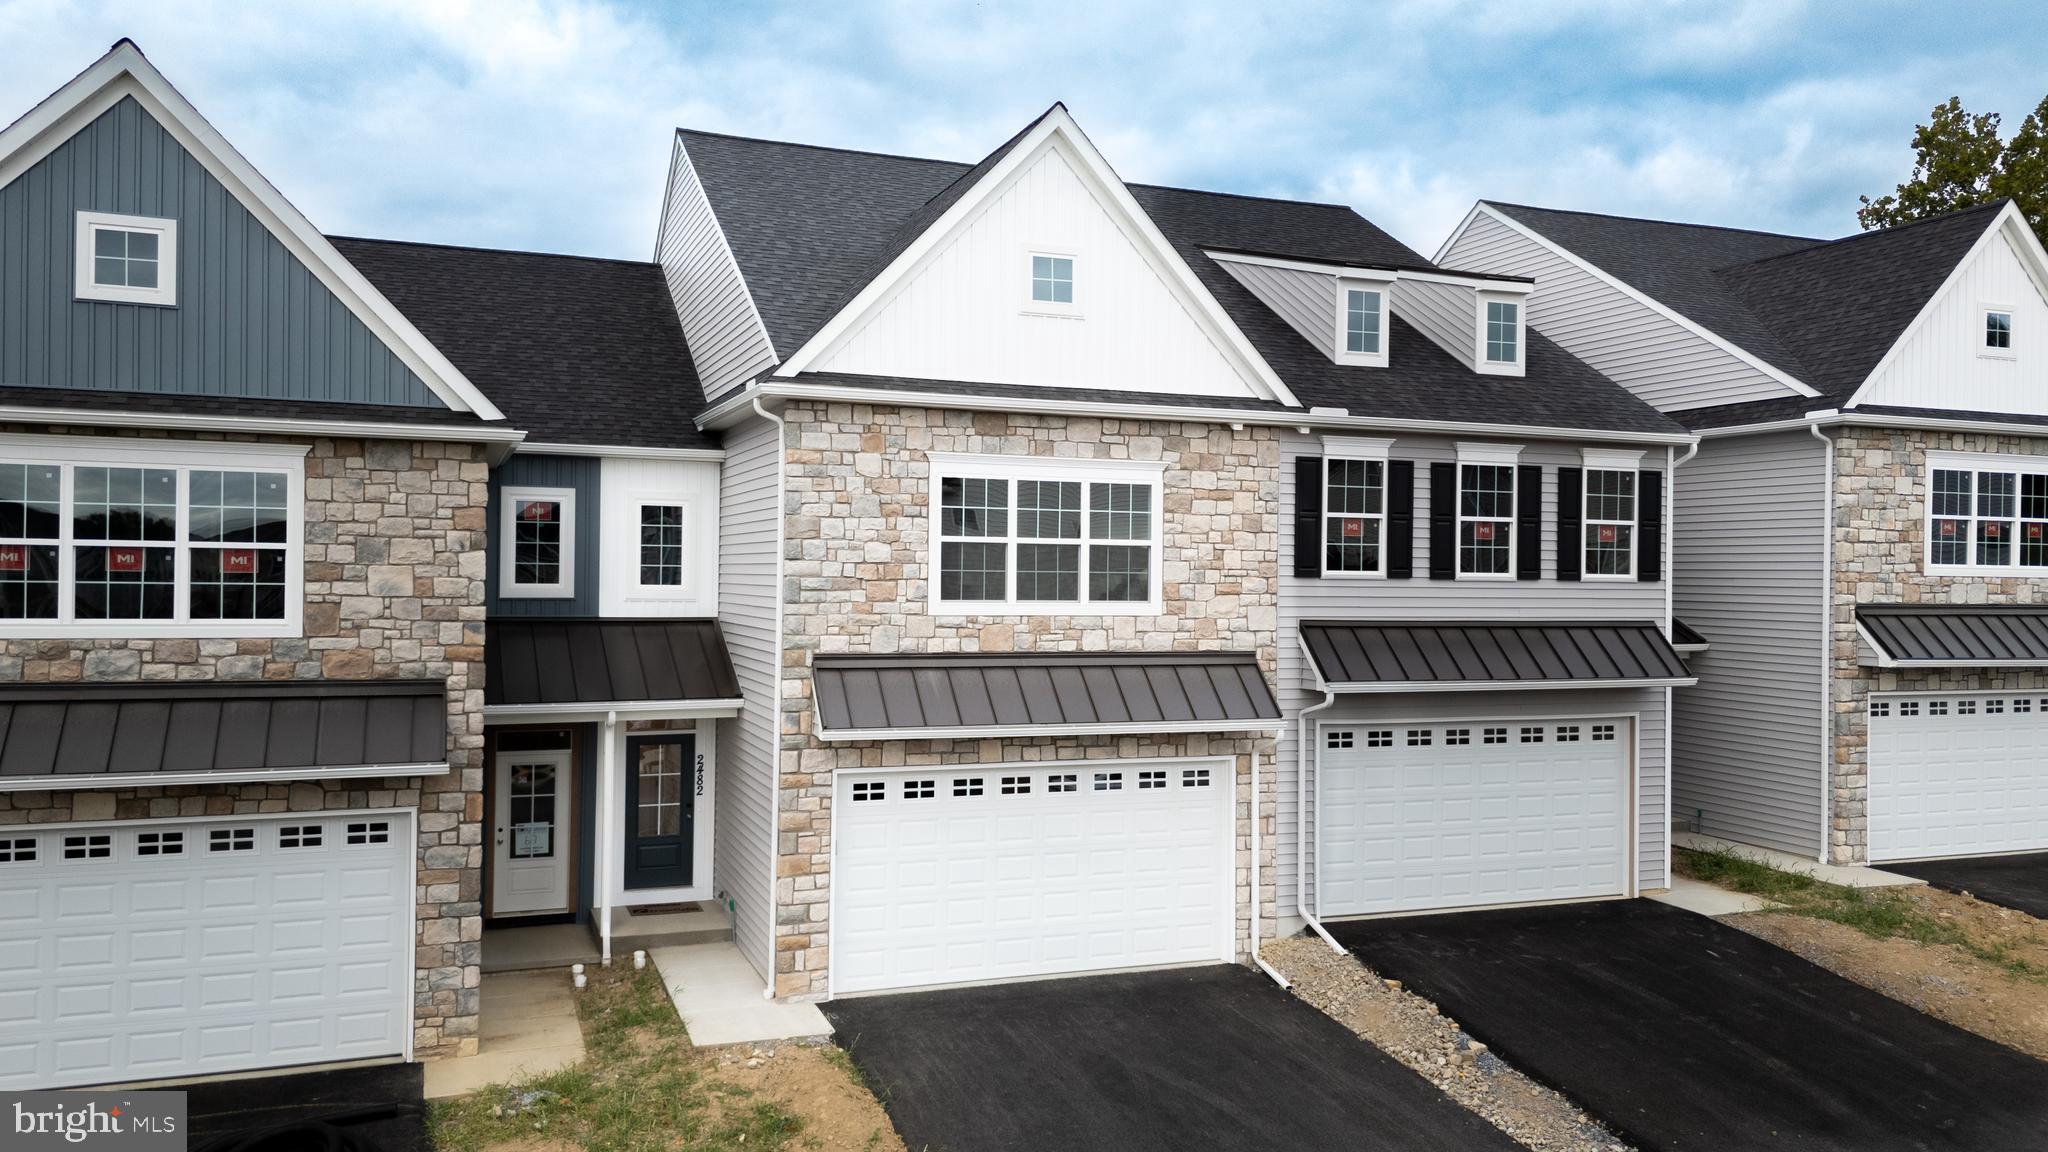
[[1951, 981], [817, 1083], [1413, 1031]]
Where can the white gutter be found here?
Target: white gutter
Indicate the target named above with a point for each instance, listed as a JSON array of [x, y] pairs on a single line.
[[622, 451], [632, 710], [1672, 463], [1827, 648], [775, 691], [607, 853], [1293, 418], [1302, 830], [164, 779], [1382, 687], [968, 732], [1268, 969], [1837, 418]]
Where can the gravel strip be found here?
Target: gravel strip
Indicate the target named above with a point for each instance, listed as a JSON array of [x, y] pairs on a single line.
[[1413, 1031]]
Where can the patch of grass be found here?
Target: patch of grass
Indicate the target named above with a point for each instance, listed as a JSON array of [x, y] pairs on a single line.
[[1880, 913], [639, 1089]]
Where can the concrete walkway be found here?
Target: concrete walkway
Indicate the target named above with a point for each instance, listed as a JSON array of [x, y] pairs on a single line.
[[529, 1028], [1846, 875], [718, 995], [1708, 900]]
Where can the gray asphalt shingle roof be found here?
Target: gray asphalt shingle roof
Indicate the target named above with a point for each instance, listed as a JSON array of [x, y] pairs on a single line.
[[810, 226]]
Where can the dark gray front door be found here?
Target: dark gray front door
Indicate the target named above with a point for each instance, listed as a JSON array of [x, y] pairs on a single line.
[[661, 809]]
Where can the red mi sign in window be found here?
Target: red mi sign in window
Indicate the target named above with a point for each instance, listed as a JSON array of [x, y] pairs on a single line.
[[541, 510], [124, 559], [238, 561], [1354, 529], [1609, 534], [1482, 531], [13, 557]]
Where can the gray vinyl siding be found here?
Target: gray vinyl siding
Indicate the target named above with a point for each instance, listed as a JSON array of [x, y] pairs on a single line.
[[583, 474], [1648, 353], [1420, 598], [749, 532], [1752, 516], [1306, 300], [1447, 313], [250, 319], [728, 343]]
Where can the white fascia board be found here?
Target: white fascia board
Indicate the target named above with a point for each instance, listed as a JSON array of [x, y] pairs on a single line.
[[624, 710], [1369, 272], [1650, 302], [159, 779], [1690, 649], [1002, 731], [260, 425], [1056, 127], [620, 451], [1381, 688], [740, 405], [124, 71]]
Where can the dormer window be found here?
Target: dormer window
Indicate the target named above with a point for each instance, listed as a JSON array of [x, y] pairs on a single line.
[[1361, 322], [127, 259], [1997, 332], [1503, 332]]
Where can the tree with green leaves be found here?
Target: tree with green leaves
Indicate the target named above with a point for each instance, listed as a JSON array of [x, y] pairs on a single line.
[[1960, 162]]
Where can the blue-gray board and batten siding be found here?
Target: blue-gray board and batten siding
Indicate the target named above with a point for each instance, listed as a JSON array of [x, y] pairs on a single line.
[[251, 320], [584, 475]]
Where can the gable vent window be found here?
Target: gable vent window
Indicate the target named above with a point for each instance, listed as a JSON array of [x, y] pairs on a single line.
[[1997, 331], [1052, 279], [1503, 332], [97, 846], [159, 843], [368, 832], [17, 850], [231, 840], [127, 259]]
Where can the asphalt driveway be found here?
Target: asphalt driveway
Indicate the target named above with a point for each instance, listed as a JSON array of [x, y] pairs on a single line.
[[379, 1106], [1215, 1057], [1687, 1034], [2011, 881]]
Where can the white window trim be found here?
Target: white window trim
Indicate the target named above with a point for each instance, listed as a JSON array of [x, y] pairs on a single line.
[[1603, 460], [626, 553], [101, 452], [2011, 314], [508, 512], [1500, 367], [164, 295], [1371, 450], [1974, 463], [1036, 307], [1495, 455], [969, 466], [1341, 353]]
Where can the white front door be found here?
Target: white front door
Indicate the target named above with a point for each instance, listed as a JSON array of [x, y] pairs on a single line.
[[987, 872], [1956, 774], [1424, 816], [151, 949], [529, 854]]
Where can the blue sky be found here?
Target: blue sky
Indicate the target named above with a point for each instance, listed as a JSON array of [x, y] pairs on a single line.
[[545, 125]]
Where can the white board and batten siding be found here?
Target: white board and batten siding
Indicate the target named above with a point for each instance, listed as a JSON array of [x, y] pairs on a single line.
[[1447, 313], [965, 312], [728, 343], [628, 485], [749, 538], [1420, 598], [1943, 361], [1750, 556], [1641, 349]]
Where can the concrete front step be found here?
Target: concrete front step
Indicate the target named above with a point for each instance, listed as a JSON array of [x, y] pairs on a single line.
[[710, 925]]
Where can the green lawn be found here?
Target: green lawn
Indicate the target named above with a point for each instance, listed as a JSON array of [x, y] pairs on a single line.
[[640, 1087]]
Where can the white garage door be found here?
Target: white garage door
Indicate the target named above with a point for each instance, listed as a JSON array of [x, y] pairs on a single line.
[[1953, 775], [1417, 817], [149, 950], [990, 872]]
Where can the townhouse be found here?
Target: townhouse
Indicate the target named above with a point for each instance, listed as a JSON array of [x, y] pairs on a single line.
[[1866, 522]]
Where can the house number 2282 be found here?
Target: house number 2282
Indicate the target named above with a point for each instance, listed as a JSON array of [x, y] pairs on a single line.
[[700, 773]]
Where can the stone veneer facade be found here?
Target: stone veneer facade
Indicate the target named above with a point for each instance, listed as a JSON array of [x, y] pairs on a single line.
[[856, 549], [1879, 551], [394, 589]]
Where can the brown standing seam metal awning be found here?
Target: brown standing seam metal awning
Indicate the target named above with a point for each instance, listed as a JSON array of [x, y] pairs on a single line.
[[975, 695], [543, 662], [1947, 636], [100, 736], [1418, 656]]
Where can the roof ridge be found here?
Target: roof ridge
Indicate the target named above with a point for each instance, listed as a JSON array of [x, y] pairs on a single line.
[[496, 251], [825, 147], [1945, 217], [1251, 196], [1667, 223]]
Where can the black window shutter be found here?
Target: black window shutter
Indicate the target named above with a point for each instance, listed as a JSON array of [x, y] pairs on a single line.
[[1529, 522], [1308, 516], [1443, 521], [1400, 519], [1649, 525], [1571, 521]]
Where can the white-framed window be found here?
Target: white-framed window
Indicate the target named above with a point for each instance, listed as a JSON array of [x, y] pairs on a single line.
[[1052, 282], [1486, 511], [1498, 334], [1354, 506], [661, 545], [1997, 341], [1987, 515], [537, 553], [1032, 535], [150, 538], [1609, 515], [127, 259], [1361, 322]]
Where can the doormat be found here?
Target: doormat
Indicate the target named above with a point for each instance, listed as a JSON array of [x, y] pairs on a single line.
[[663, 909]]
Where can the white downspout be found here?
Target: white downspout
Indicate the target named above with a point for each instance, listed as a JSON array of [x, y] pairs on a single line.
[[1302, 829], [1827, 648], [1268, 969], [1672, 463], [775, 691], [607, 852]]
